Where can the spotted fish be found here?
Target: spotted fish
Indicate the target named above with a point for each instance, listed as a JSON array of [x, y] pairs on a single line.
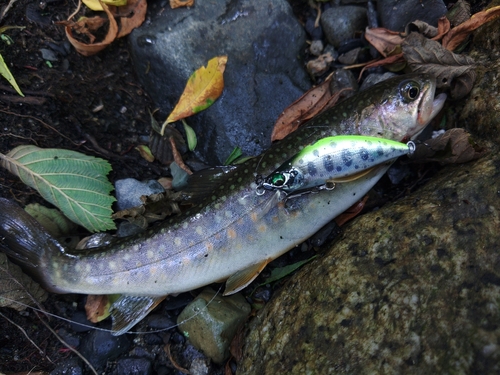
[[234, 231], [341, 158]]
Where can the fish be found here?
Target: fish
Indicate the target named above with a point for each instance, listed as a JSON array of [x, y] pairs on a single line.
[[234, 231], [340, 158]]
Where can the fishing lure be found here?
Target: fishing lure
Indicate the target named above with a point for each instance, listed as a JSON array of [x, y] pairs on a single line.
[[334, 159]]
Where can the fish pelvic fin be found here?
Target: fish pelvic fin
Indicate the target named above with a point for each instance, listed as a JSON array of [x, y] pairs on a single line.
[[127, 311], [25, 241]]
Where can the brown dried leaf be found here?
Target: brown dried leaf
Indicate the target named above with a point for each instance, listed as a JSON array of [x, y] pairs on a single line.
[[16, 288], [97, 308], [92, 48], [458, 34], [351, 212], [434, 33], [131, 16], [388, 61], [452, 71], [181, 3], [459, 13], [455, 146], [303, 109], [384, 40], [160, 146]]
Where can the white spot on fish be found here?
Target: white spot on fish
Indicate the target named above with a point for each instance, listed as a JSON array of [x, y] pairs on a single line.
[[88, 268], [177, 241], [112, 265], [126, 257], [150, 254], [199, 230], [185, 225]]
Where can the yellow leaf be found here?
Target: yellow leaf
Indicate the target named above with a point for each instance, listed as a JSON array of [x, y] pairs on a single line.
[[94, 4], [4, 71], [202, 89]]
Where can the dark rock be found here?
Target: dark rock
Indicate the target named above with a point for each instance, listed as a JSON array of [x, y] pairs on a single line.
[[79, 322], [396, 14], [133, 366], [341, 23], [100, 346], [68, 366], [261, 77], [70, 338]]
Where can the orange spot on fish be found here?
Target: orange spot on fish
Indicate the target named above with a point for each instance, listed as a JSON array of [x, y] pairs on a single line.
[[254, 217], [231, 234], [262, 228]]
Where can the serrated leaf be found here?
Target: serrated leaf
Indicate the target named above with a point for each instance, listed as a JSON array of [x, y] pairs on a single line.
[[5, 72], [202, 89], [74, 182], [190, 136], [16, 288], [56, 223]]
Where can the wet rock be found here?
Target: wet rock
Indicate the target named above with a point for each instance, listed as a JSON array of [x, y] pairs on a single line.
[[68, 366], [341, 23], [422, 299], [100, 346], [133, 366], [80, 323], [396, 14], [344, 79], [375, 78], [129, 192], [261, 77], [210, 323], [316, 47]]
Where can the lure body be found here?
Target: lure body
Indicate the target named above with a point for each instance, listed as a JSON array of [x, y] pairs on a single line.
[[334, 159]]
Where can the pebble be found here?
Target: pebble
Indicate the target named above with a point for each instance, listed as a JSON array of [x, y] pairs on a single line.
[[68, 366], [342, 23], [100, 346], [396, 14], [133, 366], [129, 192]]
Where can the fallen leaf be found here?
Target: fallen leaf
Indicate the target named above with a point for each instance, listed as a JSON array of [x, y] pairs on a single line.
[[391, 60], [97, 308], [351, 212], [5, 72], [201, 91], [16, 288], [88, 49], [385, 41], [319, 65], [52, 219], [459, 13], [181, 3], [458, 34], [178, 157], [95, 5], [190, 136], [160, 146], [131, 16], [452, 71], [455, 146], [146, 153], [429, 31]]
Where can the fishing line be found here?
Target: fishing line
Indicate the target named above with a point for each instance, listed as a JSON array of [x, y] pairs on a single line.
[[109, 330]]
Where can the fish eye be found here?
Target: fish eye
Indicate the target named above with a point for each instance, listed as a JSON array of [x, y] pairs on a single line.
[[409, 90]]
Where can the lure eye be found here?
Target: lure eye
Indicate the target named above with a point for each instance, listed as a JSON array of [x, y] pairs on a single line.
[[278, 180], [409, 90]]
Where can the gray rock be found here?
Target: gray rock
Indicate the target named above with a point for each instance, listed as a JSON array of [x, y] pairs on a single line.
[[129, 191], [133, 366], [68, 366], [375, 78], [396, 14], [411, 288], [416, 293], [100, 346], [210, 323], [342, 22], [262, 77]]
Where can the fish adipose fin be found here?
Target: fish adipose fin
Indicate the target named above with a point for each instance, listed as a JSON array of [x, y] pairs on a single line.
[[243, 278], [127, 311], [24, 240]]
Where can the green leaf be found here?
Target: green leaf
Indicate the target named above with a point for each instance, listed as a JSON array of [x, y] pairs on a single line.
[[279, 273], [190, 135], [235, 154], [4, 70], [74, 182]]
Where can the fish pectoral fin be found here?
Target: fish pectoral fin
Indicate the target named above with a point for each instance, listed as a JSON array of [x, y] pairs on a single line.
[[127, 311], [203, 183], [352, 177], [243, 278]]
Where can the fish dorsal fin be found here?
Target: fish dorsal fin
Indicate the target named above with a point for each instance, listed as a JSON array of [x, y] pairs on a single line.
[[127, 311], [243, 278], [203, 183]]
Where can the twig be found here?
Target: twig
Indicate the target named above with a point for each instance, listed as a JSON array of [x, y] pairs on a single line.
[[26, 335], [7, 9], [177, 366], [178, 157]]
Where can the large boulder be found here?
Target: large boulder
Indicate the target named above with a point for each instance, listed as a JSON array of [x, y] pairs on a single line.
[[263, 74]]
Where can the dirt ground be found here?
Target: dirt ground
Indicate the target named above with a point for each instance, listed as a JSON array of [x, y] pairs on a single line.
[[61, 109]]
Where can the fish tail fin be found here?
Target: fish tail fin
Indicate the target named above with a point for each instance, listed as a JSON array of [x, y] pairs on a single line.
[[24, 240]]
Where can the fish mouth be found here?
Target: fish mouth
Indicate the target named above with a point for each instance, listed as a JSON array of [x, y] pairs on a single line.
[[430, 106]]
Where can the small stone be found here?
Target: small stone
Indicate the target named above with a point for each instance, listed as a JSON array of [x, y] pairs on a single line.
[[100, 346], [396, 14], [320, 65], [211, 327], [375, 78], [316, 47], [48, 54], [133, 366], [129, 192], [342, 23], [68, 366], [344, 79], [351, 57]]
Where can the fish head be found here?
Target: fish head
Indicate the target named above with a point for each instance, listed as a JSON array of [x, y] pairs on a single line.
[[401, 107]]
